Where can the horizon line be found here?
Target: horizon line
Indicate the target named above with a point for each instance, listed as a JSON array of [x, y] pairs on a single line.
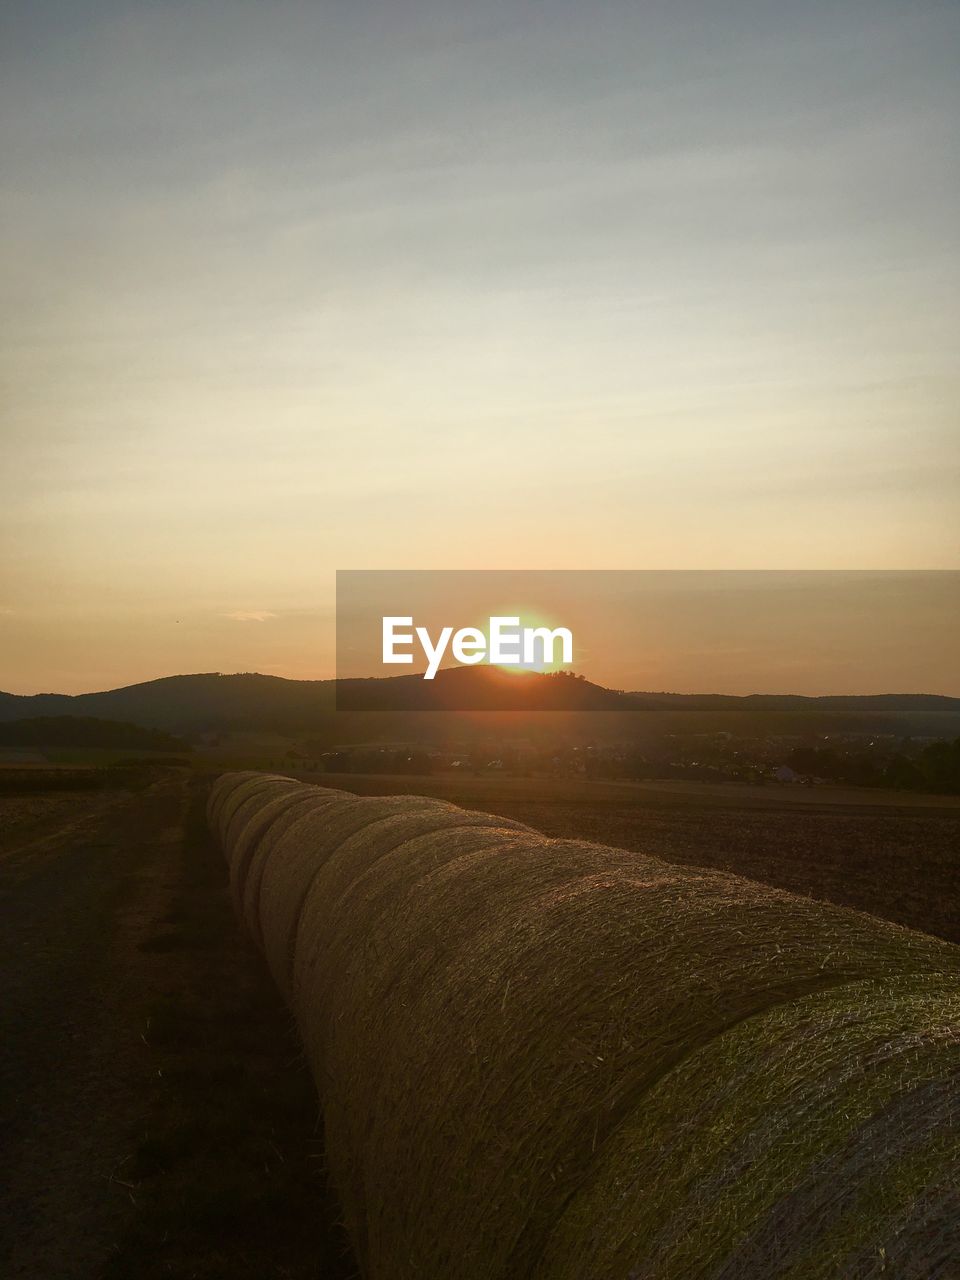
[[679, 693]]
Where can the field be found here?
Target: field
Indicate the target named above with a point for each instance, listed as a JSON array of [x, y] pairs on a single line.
[[880, 852], [154, 1099]]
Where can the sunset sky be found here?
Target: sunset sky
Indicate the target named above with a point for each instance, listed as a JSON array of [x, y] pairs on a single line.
[[294, 287]]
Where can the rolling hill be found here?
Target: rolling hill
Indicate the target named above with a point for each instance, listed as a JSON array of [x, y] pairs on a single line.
[[216, 702]]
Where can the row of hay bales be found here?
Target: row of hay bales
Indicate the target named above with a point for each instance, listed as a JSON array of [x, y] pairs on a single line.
[[555, 1060]]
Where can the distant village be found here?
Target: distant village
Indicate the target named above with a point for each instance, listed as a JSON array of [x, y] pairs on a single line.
[[850, 759]]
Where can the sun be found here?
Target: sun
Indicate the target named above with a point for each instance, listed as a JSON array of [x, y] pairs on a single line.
[[532, 619]]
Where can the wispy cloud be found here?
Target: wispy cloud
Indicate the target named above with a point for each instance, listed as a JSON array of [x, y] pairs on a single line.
[[250, 615]]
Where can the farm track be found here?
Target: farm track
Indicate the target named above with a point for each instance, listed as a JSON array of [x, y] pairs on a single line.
[[71, 1065], [156, 1119], [46, 826]]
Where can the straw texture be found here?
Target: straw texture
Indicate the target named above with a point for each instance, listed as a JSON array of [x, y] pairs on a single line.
[[299, 856], [244, 809], [259, 819], [799, 1143], [323, 907]]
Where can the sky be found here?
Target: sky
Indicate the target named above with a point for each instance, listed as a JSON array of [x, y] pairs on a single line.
[[293, 288], [696, 631]]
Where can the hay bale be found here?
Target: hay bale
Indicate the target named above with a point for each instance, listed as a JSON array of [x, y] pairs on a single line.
[[246, 810], [323, 905], [223, 788], [238, 794], [220, 789], [297, 808], [261, 812], [298, 856], [333, 946], [531, 995], [554, 1060], [385, 946], [818, 1140]]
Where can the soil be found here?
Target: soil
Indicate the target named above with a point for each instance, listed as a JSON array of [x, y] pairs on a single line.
[[157, 1118]]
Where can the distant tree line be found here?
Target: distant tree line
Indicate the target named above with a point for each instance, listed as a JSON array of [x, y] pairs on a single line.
[[86, 731], [935, 768], [378, 761]]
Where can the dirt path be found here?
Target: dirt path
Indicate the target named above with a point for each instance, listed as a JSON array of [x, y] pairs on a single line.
[[156, 1116], [30, 824], [75, 903]]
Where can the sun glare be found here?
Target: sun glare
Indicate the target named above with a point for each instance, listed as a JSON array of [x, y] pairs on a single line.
[[540, 662]]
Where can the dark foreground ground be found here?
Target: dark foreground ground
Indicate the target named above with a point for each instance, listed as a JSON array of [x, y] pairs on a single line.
[[156, 1116]]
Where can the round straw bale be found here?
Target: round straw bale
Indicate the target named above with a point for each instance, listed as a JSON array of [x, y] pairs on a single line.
[[224, 787], [367, 910], [358, 853], [371, 905], [261, 812], [243, 791], [295, 860], [249, 807], [296, 808], [817, 1140], [530, 996], [555, 1060], [381, 929], [220, 789]]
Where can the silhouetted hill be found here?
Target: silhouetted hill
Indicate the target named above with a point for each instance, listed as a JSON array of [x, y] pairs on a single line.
[[480, 688], [190, 703], [367, 708]]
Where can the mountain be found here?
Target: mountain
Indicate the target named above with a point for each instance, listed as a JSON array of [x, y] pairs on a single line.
[[189, 703], [396, 705]]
